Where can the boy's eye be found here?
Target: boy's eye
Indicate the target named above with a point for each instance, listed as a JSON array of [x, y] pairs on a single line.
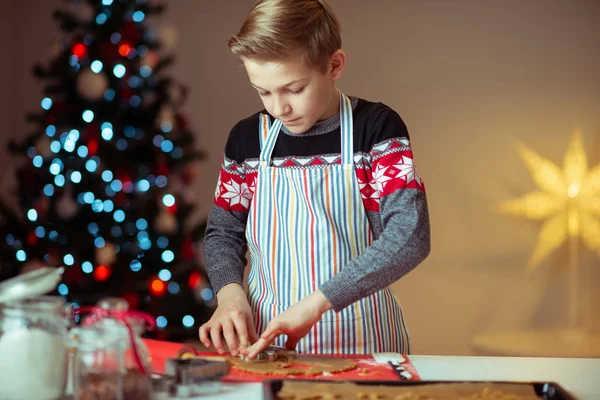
[[296, 91], [261, 94]]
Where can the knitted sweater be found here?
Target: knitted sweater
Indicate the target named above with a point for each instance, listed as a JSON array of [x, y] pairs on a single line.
[[392, 192]]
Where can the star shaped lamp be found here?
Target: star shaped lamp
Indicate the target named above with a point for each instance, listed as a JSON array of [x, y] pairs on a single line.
[[568, 201]]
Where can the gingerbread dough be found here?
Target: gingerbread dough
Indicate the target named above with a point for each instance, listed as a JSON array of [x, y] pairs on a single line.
[[308, 365], [298, 390]]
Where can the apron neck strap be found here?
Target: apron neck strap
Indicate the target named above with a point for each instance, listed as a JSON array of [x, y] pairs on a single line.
[[268, 133]]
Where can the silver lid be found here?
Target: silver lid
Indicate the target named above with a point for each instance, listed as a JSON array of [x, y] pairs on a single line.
[[30, 284]]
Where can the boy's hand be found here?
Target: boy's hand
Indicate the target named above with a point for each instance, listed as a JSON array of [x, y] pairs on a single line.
[[231, 320], [295, 322]]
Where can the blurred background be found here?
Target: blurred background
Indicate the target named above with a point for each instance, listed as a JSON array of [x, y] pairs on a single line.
[[469, 78]]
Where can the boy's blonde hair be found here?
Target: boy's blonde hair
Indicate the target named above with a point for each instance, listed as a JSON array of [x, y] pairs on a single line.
[[277, 29]]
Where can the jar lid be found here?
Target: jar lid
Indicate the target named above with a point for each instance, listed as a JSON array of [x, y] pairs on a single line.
[[30, 284]]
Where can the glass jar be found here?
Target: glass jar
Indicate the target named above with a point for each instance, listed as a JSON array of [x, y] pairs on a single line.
[[111, 360], [33, 353]]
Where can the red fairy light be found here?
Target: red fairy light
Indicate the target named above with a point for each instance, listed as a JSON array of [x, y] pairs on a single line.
[[31, 239], [80, 50], [124, 49], [158, 287], [102, 273], [92, 147], [172, 209], [194, 280]]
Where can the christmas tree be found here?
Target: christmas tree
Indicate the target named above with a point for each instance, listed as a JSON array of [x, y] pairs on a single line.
[[105, 186]]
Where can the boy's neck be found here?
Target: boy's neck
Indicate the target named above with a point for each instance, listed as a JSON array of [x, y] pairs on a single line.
[[334, 106]]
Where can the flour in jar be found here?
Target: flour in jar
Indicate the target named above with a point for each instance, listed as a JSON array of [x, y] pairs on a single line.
[[33, 365]]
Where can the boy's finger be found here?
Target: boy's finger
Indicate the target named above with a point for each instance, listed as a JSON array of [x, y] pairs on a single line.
[[215, 335], [242, 332], [230, 337], [257, 347], [203, 334]]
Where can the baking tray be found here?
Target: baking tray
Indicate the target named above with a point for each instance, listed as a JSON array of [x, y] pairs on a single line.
[[544, 390]]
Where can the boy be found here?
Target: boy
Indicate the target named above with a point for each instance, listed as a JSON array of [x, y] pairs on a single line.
[[323, 191]]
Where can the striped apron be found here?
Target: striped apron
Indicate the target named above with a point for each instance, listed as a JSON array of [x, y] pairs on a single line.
[[304, 225]]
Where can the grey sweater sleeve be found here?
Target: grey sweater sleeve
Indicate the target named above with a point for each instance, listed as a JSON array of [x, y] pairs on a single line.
[[402, 245], [225, 247]]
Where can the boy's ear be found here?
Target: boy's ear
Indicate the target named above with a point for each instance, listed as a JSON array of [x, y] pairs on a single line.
[[337, 64]]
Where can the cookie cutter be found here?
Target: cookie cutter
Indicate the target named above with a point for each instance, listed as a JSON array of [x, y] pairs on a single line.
[[195, 376], [272, 353]]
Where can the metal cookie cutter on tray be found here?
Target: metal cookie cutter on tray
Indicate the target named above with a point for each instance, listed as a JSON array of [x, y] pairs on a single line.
[[194, 376], [272, 353]]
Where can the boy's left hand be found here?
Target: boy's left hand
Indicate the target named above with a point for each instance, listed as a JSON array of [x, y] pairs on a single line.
[[295, 322]]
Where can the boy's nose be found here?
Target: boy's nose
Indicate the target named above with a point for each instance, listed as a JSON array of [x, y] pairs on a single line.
[[281, 108]]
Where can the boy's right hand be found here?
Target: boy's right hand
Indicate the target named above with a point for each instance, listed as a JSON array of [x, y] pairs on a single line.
[[232, 320]]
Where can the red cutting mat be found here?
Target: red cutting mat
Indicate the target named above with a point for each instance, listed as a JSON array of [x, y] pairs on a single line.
[[367, 367]]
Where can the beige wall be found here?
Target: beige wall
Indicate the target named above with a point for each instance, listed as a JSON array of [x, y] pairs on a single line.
[[468, 77]]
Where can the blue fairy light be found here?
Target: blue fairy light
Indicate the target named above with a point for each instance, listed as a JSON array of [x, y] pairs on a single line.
[[188, 321], [40, 232], [46, 103], [53, 235], [82, 151], [68, 259], [97, 206], [168, 256], [143, 185], [145, 71], [31, 152], [55, 146], [141, 236], [75, 176], [56, 166], [157, 140], [21, 255], [177, 153], [108, 205], [142, 49], [135, 81], [107, 175], [59, 180], [49, 189], [73, 60], [99, 242], [164, 275], [122, 144], [141, 224], [116, 231], [87, 267], [161, 321], [50, 130], [166, 146], [91, 165], [129, 131], [10, 239], [145, 244], [107, 2], [32, 215], [73, 135], [161, 181], [63, 290], [166, 127], [135, 101], [93, 228], [96, 66], [168, 200], [173, 287], [207, 294], [135, 265], [37, 161], [88, 116], [115, 38], [139, 133], [116, 185], [107, 133], [88, 197], [138, 16], [119, 216], [80, 198], [119, 70], [69, 146], [101, 18], [109, 94], [162, 242], [109, 191], [106, 124]]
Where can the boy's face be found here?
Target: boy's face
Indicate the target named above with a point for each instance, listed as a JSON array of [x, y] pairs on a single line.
[[293, 91]]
